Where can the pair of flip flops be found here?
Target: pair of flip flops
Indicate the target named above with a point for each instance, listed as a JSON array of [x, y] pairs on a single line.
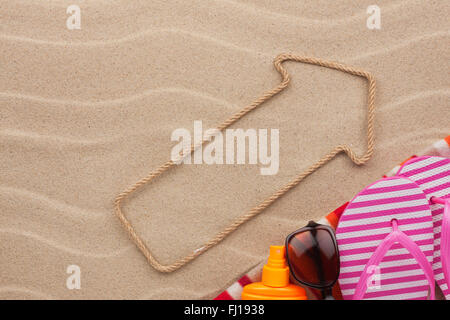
[[393, 237]]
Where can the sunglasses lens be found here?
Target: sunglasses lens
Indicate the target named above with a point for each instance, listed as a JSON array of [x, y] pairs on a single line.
[[313, 257]]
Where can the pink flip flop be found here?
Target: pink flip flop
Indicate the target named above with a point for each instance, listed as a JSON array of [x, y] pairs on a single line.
[[432, 174], [385, 241]]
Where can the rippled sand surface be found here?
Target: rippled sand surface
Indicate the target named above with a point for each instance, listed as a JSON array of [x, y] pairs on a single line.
[[85, 113]]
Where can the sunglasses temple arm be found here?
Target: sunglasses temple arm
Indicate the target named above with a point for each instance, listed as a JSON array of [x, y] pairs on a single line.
[[327, 294], [304, 248], [320, 272]]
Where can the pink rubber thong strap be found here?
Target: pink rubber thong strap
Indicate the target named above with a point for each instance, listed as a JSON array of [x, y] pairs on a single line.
[[395, 236], [445, 237]]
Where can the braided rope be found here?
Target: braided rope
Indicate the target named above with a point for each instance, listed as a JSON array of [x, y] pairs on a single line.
[[359, 160]]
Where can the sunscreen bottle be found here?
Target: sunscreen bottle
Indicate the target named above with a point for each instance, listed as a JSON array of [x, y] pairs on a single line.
[[275, 281]]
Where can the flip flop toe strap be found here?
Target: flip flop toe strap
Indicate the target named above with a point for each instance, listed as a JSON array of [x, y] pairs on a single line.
[[395, 236], [445, 237]]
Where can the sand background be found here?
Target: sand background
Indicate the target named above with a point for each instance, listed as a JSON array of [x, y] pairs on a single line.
[[85, 113]]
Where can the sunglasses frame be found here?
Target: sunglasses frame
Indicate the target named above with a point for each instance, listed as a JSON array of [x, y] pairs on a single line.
[[309, 227]]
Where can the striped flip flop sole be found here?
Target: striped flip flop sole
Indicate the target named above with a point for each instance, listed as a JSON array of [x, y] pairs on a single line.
[[366, 222], [432, 174]]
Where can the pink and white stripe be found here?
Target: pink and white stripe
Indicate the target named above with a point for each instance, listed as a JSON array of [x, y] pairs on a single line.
[[365, 224], [432, 174]]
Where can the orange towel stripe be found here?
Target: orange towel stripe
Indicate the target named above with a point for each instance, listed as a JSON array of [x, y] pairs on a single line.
[[447, 139]]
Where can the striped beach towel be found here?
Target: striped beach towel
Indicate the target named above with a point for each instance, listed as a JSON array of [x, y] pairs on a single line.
[[439, 148]]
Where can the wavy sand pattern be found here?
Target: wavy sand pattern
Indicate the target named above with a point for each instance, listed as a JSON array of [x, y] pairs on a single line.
[[85, 113]]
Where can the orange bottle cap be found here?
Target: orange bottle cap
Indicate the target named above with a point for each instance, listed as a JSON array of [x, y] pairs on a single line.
[[275, 281], [276, 272]]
